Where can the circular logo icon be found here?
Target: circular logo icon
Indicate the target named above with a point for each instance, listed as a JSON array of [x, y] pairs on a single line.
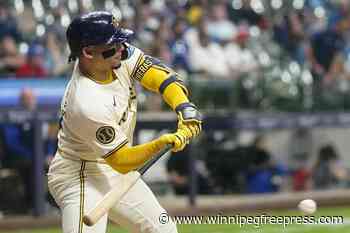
[[164, 218], [105, 134]]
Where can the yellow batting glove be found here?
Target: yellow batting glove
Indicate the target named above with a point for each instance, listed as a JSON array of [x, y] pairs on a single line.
[[179, 139], [189, 117]]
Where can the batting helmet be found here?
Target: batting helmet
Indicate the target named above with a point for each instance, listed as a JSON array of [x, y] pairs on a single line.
[[95, 28]]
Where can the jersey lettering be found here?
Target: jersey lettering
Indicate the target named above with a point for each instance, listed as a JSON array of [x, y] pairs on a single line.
[[143, 68]]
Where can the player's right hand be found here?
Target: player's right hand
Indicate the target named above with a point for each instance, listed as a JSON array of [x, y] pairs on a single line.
[[189, 117], [178, 140]]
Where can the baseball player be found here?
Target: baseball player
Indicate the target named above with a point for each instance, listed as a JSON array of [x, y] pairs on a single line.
[[98, 115]]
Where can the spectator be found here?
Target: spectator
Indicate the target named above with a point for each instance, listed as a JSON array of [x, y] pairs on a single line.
[[238, 55], [206, 56], [299, 154], [179, 47], [178, 169], [227, 165], [8, 24], [338, 68], [160, 46], [325, 48], [196, 10], [263, 175], [290, 34], [55, 56], [10, 58], [56, 27], [161, 49], [220, 28], [19, 147], [145, 24], [328, 171], [301, 179], [34, 66]]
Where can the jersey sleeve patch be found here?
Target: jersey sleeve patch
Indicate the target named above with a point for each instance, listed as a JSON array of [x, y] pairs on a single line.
[[105, 134]]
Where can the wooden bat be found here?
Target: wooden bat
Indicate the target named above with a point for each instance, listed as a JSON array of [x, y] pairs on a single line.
[[125, 183]]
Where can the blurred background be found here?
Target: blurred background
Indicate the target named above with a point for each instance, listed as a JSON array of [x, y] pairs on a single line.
[[272, 78]]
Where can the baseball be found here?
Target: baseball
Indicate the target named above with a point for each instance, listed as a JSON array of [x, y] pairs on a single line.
[[307, 206]]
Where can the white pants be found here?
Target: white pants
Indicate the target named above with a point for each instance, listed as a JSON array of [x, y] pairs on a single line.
[[77, 186]]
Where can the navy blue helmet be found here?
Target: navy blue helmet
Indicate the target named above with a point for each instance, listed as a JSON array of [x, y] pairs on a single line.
[[95, 28]]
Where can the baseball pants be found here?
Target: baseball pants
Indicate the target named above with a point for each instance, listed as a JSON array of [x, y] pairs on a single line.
[[78, 185]]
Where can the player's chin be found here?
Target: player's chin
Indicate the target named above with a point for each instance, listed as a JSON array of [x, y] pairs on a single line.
[[116, 63], [116, 66]]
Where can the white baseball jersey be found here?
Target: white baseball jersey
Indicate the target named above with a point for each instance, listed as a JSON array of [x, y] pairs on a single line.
[[98, 119]]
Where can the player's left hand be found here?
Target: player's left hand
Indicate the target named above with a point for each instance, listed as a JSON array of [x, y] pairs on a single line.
[[189, 118], [178, 140]]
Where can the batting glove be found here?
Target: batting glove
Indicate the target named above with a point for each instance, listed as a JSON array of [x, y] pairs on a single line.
[[179, 139], [189, 117]]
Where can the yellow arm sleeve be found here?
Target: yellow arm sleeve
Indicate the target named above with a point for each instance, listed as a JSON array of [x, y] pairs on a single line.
[[129, 158], [173, 93], [174, 96]]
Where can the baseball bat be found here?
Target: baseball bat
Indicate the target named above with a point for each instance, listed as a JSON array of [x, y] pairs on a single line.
[[125, 183]]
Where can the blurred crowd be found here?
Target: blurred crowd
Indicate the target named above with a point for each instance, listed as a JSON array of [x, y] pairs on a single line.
[[286, 43], [17, 156], [235, 164], [212, 38]]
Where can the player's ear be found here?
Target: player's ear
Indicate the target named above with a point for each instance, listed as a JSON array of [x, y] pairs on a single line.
[[87, 52]]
